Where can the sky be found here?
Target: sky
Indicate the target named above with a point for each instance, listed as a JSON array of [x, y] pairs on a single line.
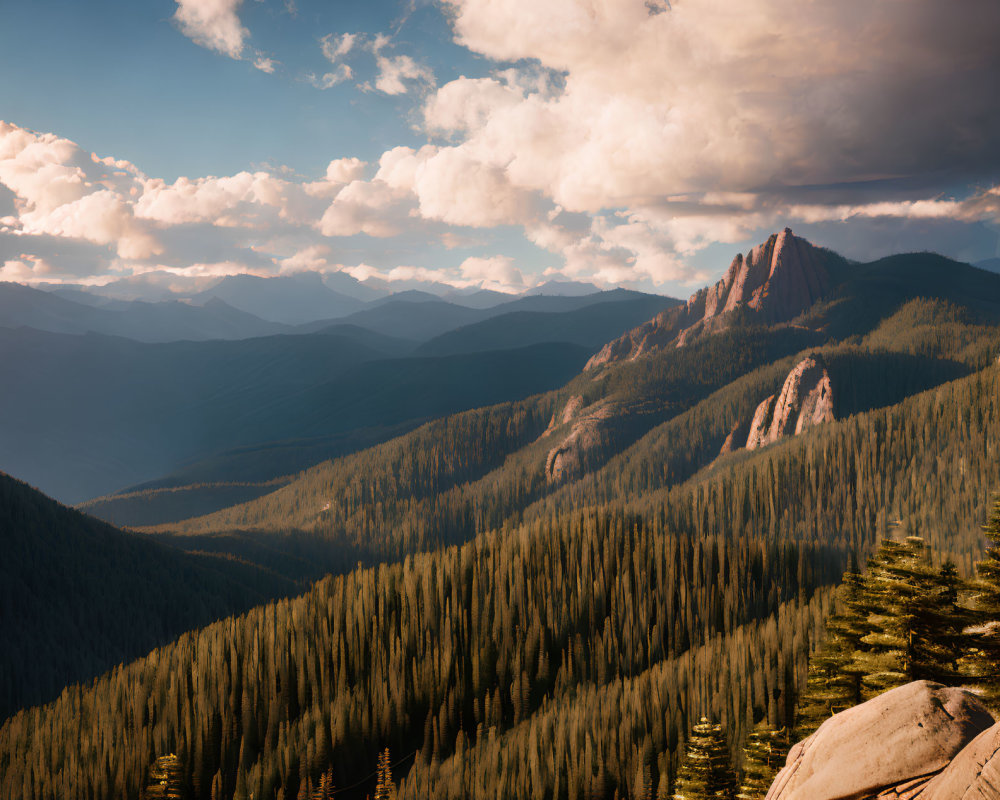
[[488, 144]]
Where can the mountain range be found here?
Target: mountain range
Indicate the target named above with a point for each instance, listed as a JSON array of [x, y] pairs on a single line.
[[546, 542]]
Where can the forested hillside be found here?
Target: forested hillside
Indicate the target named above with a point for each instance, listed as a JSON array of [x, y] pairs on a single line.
[[78, 596], [517, 623]]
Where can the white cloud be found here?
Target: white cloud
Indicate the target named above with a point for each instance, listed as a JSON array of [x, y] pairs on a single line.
[[242, 200], [345, 170], [710, 95], [213, 24], [336, 47], [497, 273], [26, 269], [267, 65], [371, 207], [456, 188], [62, 191], [328, 80], [398, 74]]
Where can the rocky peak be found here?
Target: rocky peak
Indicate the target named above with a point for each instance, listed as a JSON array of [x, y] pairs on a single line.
[[776, 281]]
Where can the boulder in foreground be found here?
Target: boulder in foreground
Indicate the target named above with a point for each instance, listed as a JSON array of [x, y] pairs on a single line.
[[891, 746]]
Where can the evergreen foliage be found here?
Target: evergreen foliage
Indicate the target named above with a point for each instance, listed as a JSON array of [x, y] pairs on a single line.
[[764, 755], [984, 657], [525, 639], [78, 596], [706, 771]]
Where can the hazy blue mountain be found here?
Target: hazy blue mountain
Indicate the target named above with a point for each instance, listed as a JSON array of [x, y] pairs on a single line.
[[420, 316], [419, 319], [291, 299], [992, 264], [565, 288], [480, 298], [23, 306], [84, 415], [346, 284], [366, 404]]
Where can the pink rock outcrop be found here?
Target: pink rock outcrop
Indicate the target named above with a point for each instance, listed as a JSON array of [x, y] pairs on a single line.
[[776, 281], [805, 399], [568, 459]]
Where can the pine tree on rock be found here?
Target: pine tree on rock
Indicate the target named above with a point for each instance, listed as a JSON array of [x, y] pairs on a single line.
[[763, 756], [707, 769]]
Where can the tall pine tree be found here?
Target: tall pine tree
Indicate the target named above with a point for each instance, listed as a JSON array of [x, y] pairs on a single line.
[[707, 769], [984, 660]]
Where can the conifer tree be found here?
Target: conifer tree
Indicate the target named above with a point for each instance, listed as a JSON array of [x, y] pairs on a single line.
[[914, 610], [707, 769], [985, 633], [385, 789], [763, 756], [834, 681]]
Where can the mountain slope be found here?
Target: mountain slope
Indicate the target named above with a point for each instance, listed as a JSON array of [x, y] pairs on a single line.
[[677, 404], [84, 415], [589, 327], [629, 619], [366, 403], [775, 282], [78, 596]]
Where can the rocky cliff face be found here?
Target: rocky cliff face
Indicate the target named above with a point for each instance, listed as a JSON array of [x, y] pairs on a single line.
[[921, 741], [806, 399], [587, 434], [776, 282]]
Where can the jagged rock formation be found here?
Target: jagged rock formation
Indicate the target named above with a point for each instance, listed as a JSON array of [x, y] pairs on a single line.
[[897, 745], [569, 458], [806, 399], [775, 282]]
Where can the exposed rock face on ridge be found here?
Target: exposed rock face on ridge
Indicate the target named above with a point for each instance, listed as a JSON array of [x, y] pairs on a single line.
[[568, 458], [776, 281], [892, 747], [806, 399]]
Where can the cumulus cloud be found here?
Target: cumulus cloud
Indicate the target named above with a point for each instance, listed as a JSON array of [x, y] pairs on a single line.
[[345, 170], [398, 74], [213, 24], [710, 95], [370, 207], [60, 190], [497, 273]]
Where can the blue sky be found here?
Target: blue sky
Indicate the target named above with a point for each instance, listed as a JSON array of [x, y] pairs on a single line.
[[490, 144]]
